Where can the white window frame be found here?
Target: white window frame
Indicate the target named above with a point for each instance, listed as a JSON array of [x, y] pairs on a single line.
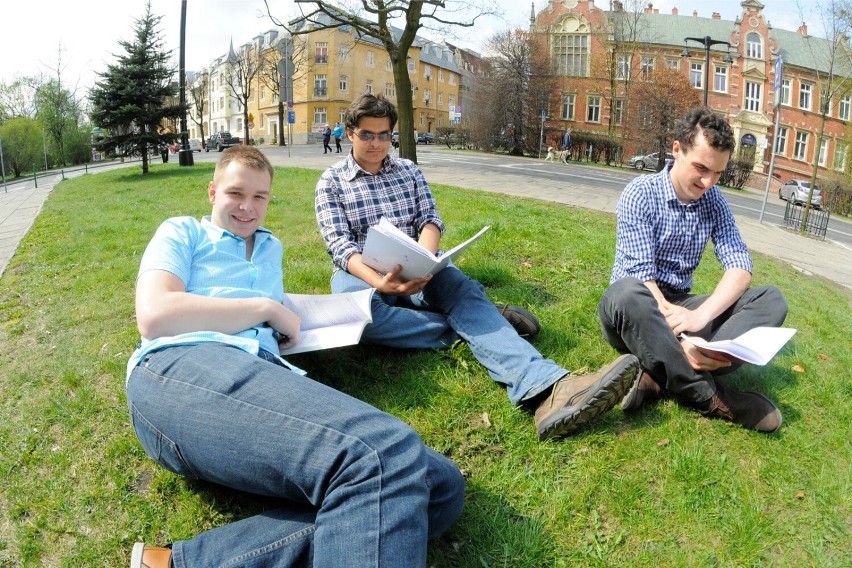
[[618, 111], [844, 107], [622, 67], [781, 141], [806, 99], [569, 106], [839, 156], [593, 109], [752, 96], [696, 74], [368, 88], [321, 115], [754, 46], [343, 83], [823, 153], [786, 91], [720, 79], [371, 58], [800, 150]]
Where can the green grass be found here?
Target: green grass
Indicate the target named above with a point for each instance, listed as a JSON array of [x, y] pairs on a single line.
[[662, 487]]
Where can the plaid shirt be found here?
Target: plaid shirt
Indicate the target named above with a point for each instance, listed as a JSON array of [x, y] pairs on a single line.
[[659, 238], [349, 201]]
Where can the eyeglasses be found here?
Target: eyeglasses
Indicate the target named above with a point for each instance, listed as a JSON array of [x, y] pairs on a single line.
[[367, 136]]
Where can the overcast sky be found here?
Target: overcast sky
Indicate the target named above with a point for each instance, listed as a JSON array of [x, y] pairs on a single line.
[[89, 30]]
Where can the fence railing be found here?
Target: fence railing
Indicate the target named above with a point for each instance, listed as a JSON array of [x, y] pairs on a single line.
[[817, 219]]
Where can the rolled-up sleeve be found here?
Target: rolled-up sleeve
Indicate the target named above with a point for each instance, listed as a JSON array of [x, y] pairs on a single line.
[[634, 248], [331, 218], [728, 243]]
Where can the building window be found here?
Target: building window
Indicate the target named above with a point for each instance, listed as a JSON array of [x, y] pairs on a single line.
[[673, 63], [440, 99], [571, 54], [344, 52], [720, 80], [451, 99], [422, 121], [801, 147], [752, 96], [593, 112], [622, 67], [696, 75], [823, 153], [427, 72], [840, 156], [320, 86], [343, 83], [239, 124], [427, 96], [618, 111], [754, 47], [440, 75], [390, 90], [781, 141], [844, 107], [568, 106], [452, 78], [320, 115], [786, 89], [263, 92], [369, 87], [805, 92], [321, 52], [371, 58], [648, 66], [411, 66], [388, 64]]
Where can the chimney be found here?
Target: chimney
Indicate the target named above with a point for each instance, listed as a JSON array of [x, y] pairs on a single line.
[[717, 16], [674, 11], [649, 8], [803, 29], [695, 13]]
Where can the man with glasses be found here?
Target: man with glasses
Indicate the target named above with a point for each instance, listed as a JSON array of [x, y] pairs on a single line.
[[435, 311], [664, 223]]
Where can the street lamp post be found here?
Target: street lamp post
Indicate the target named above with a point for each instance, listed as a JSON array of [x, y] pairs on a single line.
[[708, 42], [185, 157]]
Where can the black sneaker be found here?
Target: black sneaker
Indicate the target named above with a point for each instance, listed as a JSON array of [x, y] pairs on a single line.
[[523, 321]]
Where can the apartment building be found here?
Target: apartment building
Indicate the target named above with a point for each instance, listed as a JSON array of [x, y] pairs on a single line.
[[739, 80]]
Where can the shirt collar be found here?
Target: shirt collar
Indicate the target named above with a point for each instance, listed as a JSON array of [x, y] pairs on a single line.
[[351, 169], [215, 230]]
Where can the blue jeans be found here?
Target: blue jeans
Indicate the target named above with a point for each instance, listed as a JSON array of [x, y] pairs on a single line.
[[362, 488], [632, 322], [453, 306]]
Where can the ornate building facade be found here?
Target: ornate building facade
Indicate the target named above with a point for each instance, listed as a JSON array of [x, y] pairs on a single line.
[[597, 53]]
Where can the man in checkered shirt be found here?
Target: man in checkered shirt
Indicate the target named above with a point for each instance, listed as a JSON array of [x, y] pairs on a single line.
[[435, 311], [664, 223]]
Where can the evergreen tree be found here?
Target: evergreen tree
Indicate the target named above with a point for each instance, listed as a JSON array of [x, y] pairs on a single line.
[[134, 97]]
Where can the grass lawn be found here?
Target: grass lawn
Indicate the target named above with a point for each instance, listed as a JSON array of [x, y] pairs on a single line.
[[661, 487]]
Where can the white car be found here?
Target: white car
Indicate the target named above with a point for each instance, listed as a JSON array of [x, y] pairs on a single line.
[[796, 192], [195, 144]]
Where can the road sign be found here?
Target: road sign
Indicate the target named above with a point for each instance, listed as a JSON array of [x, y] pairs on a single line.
[[291, 117], [290, 104]]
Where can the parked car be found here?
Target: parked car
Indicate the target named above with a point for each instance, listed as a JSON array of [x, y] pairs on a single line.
[[195, 144], [648, 161], [222, 140], [796, 192], [425, 138]]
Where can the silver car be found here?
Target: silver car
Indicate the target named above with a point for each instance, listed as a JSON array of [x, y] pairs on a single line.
[[796, 192], [648, 161]]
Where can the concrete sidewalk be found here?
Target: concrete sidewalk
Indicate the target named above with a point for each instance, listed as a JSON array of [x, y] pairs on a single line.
[[825, 259]]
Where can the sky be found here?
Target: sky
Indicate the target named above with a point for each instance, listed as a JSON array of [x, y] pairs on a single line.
[[88, 31]]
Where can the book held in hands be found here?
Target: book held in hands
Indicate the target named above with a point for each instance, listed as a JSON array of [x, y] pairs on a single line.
[[386, 246], [329, 320], [757, 346]]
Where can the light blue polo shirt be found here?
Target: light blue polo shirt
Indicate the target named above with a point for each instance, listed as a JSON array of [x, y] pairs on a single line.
[[212, 262]]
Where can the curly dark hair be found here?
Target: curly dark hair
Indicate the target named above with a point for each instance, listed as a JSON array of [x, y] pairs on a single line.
[[713, 127], [370, 105]]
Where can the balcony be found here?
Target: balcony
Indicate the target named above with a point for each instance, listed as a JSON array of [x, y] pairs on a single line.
[[320, 58], [320, 92]]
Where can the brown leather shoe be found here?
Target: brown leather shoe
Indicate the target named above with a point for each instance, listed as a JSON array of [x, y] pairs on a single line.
[[574, 401], [150, 556], [524, 322], [644, 391], [748, 409]]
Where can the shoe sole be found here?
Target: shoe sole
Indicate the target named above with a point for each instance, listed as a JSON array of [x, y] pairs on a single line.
[[136, 555], [631, 400], [603, 396]]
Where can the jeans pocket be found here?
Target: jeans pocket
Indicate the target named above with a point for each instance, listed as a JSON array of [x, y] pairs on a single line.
[[159, 447]]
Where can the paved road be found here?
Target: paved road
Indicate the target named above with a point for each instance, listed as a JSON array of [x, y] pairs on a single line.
[[575, 185]]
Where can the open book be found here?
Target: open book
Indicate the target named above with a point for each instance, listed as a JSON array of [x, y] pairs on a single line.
[[387, 246], [329, 320], [758, 345]]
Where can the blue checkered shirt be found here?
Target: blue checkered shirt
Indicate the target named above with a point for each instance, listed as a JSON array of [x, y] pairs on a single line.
[[349, 200], [659, 238], [212, 262]]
